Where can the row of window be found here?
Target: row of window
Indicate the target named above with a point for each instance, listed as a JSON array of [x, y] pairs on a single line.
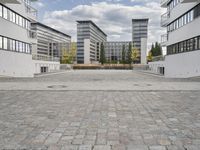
[[184, 46], [14, 17], [14, 45], [184, 19], [173, 4]]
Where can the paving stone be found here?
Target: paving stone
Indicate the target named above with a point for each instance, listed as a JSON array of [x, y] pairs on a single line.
[[101, 147]]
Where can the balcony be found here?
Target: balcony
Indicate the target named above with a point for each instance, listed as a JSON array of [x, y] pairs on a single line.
[[45, 58], [11, 1], [164, 3], [164, 39], [31, 11], [165, 19], [189, 1]]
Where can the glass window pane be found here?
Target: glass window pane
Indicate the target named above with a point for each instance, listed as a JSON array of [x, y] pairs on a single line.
[[14, 45], [1, 9], [5, 13], [10, 15], [14, 17], [17, 19], [20, 46], [5, 43], [10, 44], [1, 42], [20, 20]]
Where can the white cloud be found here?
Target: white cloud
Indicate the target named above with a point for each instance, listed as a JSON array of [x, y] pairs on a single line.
[[113, 19]]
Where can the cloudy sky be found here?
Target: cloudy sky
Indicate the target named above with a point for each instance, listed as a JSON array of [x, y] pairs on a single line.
[[112, 16]]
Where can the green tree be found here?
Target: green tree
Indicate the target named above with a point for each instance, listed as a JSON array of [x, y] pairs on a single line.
[[149, 57], [123, 55], [135, 55], [156, 49], [129, 60], [102, 54]]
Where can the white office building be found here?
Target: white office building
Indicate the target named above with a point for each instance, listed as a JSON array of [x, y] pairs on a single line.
[[139, 37], [89, 39], [182, 40], [49, 47], [15, 39], [114, 50]]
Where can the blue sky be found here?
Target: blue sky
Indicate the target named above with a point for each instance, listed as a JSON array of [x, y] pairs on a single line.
[[112, 16]]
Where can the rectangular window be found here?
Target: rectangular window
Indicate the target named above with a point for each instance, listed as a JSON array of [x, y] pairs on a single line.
[[181, 47], [1, 42], [5, 43], [20, 46], [1, 11], [14, 16], [10, 45], [20, 20], [17, 46], [198, 42], [5, 13], [17, 19], [10, 15], [14, 45]]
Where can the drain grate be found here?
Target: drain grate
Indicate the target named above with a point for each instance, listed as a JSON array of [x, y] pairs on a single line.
[[57, 86]]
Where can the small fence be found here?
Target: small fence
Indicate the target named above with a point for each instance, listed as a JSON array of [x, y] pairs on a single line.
[[109, 67]]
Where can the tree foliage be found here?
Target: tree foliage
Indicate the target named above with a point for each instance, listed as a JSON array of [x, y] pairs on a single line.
[[123, 55], [129, 60], [102, 54], [149, 57], [156, 49], [135, 55], [68, 56]]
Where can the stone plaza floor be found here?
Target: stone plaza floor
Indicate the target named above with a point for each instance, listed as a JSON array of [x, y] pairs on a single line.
[[99, 110]]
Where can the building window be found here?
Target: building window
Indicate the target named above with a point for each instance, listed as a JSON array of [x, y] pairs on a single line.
[[5, 13], [5, 43], [1, 42], [1, 11], [198, 43]]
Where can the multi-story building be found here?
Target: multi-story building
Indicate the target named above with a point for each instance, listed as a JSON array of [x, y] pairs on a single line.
[[114, 50], [89, 39], [15, 39], [182, 40], [139, 36], [51, 43]]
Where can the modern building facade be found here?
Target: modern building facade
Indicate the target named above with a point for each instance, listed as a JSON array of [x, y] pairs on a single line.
[[50, 43], [114, 50], [182, 38], [89, 39], [139, 36], [15, 40]]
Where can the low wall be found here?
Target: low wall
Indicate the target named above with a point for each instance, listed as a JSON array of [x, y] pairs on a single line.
[[16, 64], [52, 66], [183, 65]]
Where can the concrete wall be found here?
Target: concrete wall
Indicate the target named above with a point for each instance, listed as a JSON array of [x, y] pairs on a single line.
[[52, 66], [154, 66], [87, 51], [144, 51], [16, 64], [183, 65]]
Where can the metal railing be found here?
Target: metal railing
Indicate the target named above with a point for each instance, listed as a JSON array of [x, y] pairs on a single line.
[[32, 34], [164, 18], [163, 2], [158, 58], [164, 38], [45, 58]]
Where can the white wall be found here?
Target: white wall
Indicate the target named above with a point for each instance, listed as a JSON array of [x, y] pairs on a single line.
[[16, 64], [52, 66], [153, 66], [87, 51], [183, 65], [144, 51]]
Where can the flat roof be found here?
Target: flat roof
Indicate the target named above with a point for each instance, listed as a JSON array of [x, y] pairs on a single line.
[[142, 19], [52, 29], [90, 21]]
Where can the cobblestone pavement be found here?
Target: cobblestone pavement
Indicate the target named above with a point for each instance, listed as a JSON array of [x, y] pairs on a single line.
[[100, 120]]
